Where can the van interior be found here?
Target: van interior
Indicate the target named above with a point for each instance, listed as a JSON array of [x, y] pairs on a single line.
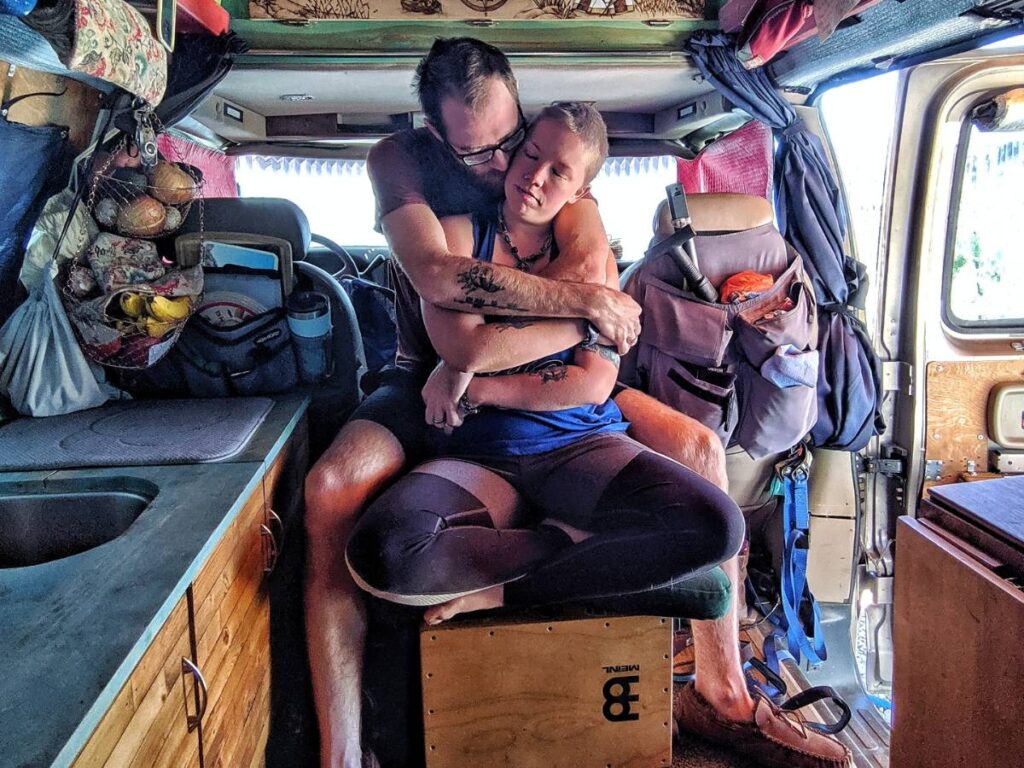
[[152, 549]]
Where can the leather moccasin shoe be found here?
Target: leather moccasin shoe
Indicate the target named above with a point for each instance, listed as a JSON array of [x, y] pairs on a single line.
[[772, 738]]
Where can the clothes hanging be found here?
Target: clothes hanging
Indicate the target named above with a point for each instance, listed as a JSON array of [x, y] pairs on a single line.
[[35, 162]]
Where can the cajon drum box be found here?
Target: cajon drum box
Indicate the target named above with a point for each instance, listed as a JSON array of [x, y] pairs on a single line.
[[585, 693]]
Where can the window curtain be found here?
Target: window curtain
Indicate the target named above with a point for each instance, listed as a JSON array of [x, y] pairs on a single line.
[[809, 209]]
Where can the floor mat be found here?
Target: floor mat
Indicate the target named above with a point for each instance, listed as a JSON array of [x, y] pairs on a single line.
[[140, 432]]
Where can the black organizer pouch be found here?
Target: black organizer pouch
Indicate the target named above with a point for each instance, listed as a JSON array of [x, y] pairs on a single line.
[[254, 357]]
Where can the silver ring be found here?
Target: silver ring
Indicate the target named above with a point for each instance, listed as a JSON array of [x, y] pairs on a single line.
[[443, 420]]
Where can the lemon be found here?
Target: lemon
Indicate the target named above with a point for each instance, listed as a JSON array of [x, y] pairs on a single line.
[[169, 310]]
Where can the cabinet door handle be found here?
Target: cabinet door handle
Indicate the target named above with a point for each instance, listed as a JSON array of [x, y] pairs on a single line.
[[277, 525], [188, 668], [270, 549]]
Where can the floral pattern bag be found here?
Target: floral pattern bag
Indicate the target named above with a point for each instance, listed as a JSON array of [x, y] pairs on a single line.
[[113, 43]]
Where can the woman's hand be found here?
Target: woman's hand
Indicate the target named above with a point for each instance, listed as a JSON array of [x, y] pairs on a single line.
[[441, 394]]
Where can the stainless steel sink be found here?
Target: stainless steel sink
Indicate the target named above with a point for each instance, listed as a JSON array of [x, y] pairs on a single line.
[[41, 521]]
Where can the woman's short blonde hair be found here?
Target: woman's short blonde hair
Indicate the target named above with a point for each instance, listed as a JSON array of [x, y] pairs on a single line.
[[586, 123]]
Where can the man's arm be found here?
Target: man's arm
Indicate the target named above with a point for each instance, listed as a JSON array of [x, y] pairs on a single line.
[[468, 343], [418, 243], [582, 244]]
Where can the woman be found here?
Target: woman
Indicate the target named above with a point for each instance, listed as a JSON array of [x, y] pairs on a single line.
[[604, 516]]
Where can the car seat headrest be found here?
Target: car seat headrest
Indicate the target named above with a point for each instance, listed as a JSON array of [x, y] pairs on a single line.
[[717, 212], [268, 216]]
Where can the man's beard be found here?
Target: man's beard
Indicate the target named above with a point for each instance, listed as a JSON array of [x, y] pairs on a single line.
[[492, 182]]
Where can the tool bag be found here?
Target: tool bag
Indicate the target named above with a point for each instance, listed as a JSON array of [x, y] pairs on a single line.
[[747, 370]]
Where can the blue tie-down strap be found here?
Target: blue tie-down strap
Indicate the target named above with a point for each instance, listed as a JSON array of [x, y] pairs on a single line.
[[793, 590], [772, 648]]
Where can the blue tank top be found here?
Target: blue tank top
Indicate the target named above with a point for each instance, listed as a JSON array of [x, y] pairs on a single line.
[[513, 432]]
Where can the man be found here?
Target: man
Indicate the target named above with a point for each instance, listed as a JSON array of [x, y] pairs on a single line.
[[455, 165]]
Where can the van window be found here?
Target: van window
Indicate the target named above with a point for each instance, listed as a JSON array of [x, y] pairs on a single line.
[[335, 195], [984, 265], [338, 200], [628, 191], [860, 120]]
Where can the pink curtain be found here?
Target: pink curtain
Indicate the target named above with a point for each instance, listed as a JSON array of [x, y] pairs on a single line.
[[218, 169], [741, 162]]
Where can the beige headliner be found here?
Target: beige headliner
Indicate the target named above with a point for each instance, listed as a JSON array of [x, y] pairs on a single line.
[[628, 85], [367, 91]]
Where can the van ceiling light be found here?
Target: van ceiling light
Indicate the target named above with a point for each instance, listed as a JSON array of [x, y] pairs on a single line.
[[295, 97]]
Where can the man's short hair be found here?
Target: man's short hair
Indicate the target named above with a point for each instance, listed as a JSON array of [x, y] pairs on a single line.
[[586, 123], [460, 67]]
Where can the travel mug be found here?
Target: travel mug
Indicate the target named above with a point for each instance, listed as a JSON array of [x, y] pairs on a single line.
[[309, 319]]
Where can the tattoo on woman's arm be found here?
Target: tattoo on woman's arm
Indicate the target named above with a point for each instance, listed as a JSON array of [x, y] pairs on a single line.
[[556, 371], [609, 354]]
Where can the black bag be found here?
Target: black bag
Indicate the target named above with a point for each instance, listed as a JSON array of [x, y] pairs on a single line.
[[254, 357]]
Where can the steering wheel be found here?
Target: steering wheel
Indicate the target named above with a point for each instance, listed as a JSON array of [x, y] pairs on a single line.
[[340, 252]]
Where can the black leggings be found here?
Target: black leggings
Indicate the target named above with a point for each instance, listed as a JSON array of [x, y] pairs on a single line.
[[450, 528]]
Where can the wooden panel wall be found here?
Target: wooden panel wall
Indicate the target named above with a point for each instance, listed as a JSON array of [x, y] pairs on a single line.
[[956, 405]]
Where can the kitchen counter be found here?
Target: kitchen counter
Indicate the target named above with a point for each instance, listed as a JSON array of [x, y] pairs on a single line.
[[72, 630]]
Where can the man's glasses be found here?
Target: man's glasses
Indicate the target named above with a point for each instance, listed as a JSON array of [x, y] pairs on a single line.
[[508, 145]]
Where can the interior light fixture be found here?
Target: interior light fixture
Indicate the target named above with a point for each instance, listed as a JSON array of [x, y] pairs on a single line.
[[295, 97]]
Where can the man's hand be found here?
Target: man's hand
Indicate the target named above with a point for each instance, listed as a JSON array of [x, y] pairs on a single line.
[[441, 394], [616, 316]]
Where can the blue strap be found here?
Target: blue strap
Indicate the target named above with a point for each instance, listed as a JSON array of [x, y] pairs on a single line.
[[793, 588]]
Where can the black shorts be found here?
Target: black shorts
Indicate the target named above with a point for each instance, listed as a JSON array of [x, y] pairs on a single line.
[[397, 405]]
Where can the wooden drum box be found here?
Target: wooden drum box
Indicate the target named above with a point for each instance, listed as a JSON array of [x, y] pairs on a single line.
[[585, 693]]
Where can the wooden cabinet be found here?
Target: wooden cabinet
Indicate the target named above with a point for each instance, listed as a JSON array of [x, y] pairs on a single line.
[[958, 654], [200, 696], [147, 725], [232, 625]]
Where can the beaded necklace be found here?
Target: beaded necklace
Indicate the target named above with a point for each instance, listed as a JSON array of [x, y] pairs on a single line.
[[523, 263]]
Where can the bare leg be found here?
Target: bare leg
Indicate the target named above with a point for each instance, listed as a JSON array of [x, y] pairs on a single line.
[[674, 434], [363, 458], [719, 671]]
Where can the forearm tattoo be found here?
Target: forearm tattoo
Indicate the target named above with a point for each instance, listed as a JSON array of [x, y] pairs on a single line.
[[480, 278], [609, 354], [555, 371]]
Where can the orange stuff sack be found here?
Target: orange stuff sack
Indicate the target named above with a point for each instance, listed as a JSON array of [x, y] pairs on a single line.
[[744, 285]]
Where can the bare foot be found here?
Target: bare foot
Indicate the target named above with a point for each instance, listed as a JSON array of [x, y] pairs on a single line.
[[575, 534], [493, 597]]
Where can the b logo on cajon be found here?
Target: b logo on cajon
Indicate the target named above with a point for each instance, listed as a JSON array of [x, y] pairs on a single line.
[[619, 698]]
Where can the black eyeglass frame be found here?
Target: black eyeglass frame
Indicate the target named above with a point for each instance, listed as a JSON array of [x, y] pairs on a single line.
[[508, 145]]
